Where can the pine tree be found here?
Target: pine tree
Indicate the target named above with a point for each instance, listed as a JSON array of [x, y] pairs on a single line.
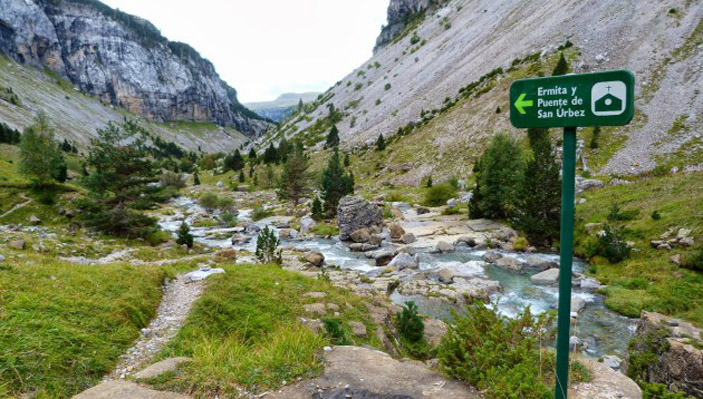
[[301, 106], [347, 161], [335, 184], [332, 137], [317, 209], [294, 178], [235, 162], [241, 176], [284, 149], [184, 236], [60, 173], [270, 155], [252, 156], [40, 156], [538, 197], [562, 67], [475, 211], [196, 179], [120, 181], [380, 143], [429, 182], [595, 138], [267, 247], [501, 173]]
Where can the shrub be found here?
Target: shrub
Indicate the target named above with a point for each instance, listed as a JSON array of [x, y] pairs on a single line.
[[452, 211], [157, 238], [612, 246], [170, 179], [228, 219], [409, 323], [266, 247], [335, 331], [260, 213], [317, 209], [439, 194], [656, 215], [616, 214], [387, 86], [184, 236], [694, 261], [498, 355], [521, 244], [211, 202]]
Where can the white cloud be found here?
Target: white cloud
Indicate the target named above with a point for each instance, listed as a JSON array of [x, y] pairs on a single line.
[[264, 48]]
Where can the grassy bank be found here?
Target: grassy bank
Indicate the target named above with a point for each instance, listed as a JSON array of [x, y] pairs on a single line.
[[244, 331], [648, 280], [63, 326]]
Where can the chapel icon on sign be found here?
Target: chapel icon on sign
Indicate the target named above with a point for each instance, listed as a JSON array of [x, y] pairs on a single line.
[[608, 98]]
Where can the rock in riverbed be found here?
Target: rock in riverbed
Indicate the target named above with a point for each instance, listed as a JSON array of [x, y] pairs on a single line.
[[547, 277], [354, 213]]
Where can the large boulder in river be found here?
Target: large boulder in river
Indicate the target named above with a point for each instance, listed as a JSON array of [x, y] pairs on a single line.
[[396, 232], [405, 261], [547, 277], [354, 213]]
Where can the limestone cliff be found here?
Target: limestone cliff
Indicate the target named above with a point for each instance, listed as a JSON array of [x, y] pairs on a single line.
[[121, 59]]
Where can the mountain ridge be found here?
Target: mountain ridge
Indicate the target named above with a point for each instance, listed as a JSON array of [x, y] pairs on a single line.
[[122, 60]]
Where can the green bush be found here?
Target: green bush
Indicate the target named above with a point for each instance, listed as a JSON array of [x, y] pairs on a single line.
[[694, 261], [335, 331], [499, 356], [452, 211], [612, 246], [157, 238], [228, 219], [521, 244], [260, 213], [617, 214], [409, 323], [267, 247], [656, 215], [439, 194], [184, 236]]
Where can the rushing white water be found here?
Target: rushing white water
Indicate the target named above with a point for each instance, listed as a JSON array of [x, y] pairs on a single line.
[[604, 331]]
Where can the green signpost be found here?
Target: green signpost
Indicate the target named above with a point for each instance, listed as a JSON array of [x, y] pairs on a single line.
[[571, 101]]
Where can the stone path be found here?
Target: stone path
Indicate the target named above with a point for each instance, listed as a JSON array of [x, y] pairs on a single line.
[[113, 257], [179, 295]]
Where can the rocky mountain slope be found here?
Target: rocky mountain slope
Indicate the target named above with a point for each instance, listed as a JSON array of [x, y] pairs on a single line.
[[121, 59], [280, 108], [413, 80], [76, 116]]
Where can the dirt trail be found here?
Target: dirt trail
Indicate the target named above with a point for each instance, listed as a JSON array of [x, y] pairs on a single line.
[[18, 206], [179, 295]]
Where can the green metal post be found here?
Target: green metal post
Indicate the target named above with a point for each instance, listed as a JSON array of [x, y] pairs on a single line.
[[566, 242]]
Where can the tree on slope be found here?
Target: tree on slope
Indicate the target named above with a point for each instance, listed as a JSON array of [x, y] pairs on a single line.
[[501, 173], [40, 156], [294, 178], [539, 195], [562, 66], [336, 183], [332, 137]]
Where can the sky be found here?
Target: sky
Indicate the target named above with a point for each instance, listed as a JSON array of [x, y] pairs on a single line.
[[264, 48]]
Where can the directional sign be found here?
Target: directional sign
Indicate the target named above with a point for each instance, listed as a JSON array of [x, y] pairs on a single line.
[[587, 99]]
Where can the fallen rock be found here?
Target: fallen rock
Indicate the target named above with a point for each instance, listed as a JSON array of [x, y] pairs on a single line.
[[316, 308], [408, 238], [538, 264], [395, 231], [18, 244], [612, 361], [470, 241], [306, 224], [156, 369], [358, 329], [314, 294], [34, 220], [375, 239], [315, 258], [452, 202], [287, 233], [404, 261], [252, 228], [509, 263], [546, 277], [421, 210], [360, 236], [368, 373], [491, 257], [443, 247], [125, 389], [362, 247], [446, 276], [354, 213], [434, 331], [683, 233], [240, 239], [577, 304], [383, 258], [589, 283]]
